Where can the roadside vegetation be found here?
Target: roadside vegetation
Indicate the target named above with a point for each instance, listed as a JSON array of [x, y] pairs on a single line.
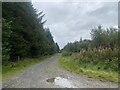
[[97, 58], [25, 39], [12, 68], [0, 74]]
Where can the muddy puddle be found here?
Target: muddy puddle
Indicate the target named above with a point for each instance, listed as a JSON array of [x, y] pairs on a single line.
[[62, 82]]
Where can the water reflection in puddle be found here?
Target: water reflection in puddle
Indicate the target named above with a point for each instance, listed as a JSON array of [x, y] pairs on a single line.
[[62, 82]]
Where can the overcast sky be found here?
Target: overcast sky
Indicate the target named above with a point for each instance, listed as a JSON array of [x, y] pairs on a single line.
[[68, 21]]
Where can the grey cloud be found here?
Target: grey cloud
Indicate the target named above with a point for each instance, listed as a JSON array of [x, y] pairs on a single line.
[[107, 8], [108, 14], [70, 21]]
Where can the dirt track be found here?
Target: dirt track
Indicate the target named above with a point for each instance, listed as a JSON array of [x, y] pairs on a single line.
[[41, 75]]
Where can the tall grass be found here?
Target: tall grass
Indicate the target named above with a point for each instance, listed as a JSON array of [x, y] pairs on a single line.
[[99, 64]]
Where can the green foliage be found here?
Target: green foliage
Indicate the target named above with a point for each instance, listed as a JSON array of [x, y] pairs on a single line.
[[107, 59], [91, 69], [105, 38], [101, 39], [50, 42], [57, 49], [78, 46], [66, 53], [23, 32], [5, 39], [97, 57]]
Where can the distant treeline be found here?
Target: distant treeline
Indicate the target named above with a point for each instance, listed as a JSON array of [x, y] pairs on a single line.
[[97, 57], [23, 34], [100, 39]]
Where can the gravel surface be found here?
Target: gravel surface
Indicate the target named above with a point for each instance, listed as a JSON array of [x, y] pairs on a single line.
[[37, 76]]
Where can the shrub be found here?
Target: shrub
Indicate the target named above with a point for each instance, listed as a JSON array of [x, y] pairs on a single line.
[[66, 53]]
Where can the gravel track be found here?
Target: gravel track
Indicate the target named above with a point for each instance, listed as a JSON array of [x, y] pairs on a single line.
[[36, 77]]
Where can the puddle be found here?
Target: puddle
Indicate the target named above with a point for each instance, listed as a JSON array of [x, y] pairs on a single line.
[[62, 82], [51, 80]]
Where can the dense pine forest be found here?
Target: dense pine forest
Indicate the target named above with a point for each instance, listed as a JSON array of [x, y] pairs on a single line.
[[24, 34], [97, 57]]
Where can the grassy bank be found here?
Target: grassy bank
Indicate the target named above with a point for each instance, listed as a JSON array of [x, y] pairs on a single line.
[[0, 74], [15, 67], [95, 70]]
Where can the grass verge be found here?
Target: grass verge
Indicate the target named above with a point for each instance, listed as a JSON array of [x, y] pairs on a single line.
[[13, 68], [0, 74], [91, 70]]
